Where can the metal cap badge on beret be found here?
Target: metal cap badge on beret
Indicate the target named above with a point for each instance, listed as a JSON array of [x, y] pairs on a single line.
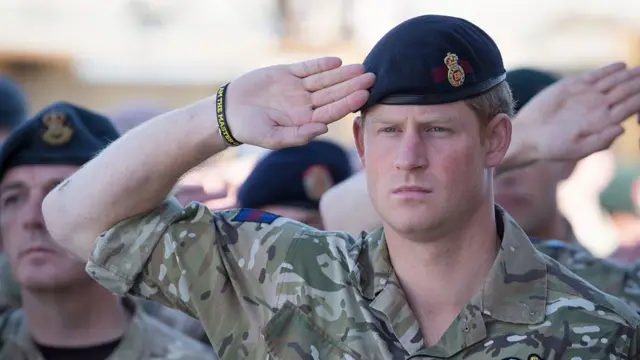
[[60, 134], [526, 83], [296, 176], [433, 59]]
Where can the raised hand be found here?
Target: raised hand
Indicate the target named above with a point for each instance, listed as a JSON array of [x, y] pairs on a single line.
[[288, 105], [582, 114]]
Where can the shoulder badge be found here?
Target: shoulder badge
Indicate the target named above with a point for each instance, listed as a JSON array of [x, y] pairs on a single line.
[[455, 72], [255, 216], [56, 128], [316, 180]]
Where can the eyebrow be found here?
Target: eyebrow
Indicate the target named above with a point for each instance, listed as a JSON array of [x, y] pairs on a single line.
[[18, 185], [421, 120], [12, 186]]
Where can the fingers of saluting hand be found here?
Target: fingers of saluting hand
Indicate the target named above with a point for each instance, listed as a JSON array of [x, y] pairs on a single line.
[[337, 110], [307, 68], [341, 90], [325, 79], [599, 74], [611, 79], [335, 90], [624, 98], [601, 140]]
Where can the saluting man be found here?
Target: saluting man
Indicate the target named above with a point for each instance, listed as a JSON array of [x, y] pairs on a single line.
[[450, 275]]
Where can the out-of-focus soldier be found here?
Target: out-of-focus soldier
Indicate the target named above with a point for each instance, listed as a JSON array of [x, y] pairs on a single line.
[[64, 314]]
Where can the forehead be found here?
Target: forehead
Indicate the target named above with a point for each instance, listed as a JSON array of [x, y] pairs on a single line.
[[457, 111], [36, 175]]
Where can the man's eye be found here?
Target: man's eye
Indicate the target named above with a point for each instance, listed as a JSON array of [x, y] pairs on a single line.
[[9, 200]]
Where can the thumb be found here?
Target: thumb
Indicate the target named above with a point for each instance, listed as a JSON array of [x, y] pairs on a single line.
[[297, 135]]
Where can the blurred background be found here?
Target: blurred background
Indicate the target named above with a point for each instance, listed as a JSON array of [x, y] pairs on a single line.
[[133, 59]]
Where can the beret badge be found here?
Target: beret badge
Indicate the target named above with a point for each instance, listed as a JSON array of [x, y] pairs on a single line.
[[455, 72], [56, 130]]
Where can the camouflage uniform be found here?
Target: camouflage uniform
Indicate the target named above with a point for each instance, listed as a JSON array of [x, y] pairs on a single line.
[[146, 338], [175, 319], [11, 298], [608, 275], [268, 287]]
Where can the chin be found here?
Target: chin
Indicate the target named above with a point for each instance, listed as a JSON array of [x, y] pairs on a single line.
[[45, 278], [410, 225]]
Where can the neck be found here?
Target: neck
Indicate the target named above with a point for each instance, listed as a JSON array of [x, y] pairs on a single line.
[[73, 317], [442, 275], [558, 228]]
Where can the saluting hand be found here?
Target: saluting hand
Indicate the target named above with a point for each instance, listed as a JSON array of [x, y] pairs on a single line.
[[582, 114], [288, 105]]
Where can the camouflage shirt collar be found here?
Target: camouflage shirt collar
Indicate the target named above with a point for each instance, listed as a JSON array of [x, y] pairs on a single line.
[[373, 266], [515, 290]]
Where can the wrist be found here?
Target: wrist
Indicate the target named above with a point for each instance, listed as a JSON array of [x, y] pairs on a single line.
[[201, 130], [526, 139], [222, 105]]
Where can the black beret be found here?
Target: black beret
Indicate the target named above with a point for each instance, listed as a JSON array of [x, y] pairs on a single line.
[[527, 83], [295, 176], [13, 104], [433, 59], [60, 134]]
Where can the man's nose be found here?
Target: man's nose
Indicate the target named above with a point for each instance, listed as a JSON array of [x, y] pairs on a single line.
[[411, 152], [32, 214]]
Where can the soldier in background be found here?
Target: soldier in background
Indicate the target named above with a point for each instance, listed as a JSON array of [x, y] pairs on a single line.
[[529, 193], [65, 314], [13, 106], [290, 182], [13, 111], [621, 199]]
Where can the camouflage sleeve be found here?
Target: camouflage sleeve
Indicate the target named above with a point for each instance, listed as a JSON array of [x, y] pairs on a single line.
[[10, 293], [611, 276], [222, 267]]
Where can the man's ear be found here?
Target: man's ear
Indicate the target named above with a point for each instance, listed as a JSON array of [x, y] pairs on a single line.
[[358, 136], [497, 137]]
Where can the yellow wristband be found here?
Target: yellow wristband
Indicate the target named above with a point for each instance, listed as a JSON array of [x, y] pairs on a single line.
[[223, 126]]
